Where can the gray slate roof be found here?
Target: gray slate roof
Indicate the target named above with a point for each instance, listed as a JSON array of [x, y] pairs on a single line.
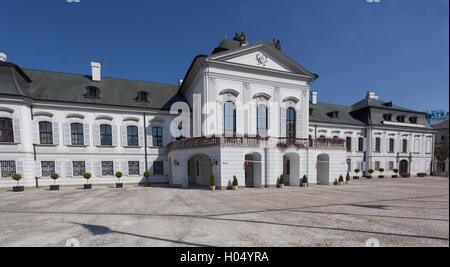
[[320, 111], [369, 102]]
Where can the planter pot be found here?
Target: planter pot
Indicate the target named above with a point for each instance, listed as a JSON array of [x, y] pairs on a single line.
[[281, 186], [235, 187], [381, 176], [18, 188], [88, 186], [304, 185], [394, 176], [119, 185], [369, 177], [54, 187], [355, 177], [347, 182], [213, 188], [340, 183]]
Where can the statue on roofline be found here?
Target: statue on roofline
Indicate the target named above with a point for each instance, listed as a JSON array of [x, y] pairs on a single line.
[[241, 37]]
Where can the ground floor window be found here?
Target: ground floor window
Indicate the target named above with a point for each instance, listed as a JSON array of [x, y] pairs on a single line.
[[48, 167], [391, 165], [133, 167], [107, 168], [8, 168], [79, 168], [377, 165], [158, 168]]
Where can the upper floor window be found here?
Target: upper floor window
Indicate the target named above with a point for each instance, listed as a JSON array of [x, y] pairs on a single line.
[[92, 92], [348, 144], [77, 134], [291, 123], [262, 120], [157, 136], [387, 117], [46, 132], [333, 114], [6, 130], [377, 144], [133, 136], [142, 96], [391, 145], [413, 120], [360, 144], [229, 118], [401, 118], [405, 146], [106, 135]]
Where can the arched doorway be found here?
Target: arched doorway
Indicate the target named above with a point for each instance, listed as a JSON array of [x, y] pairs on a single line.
[[291, 169], [403, 167], [199, 170], [253, 170], [323, 169]]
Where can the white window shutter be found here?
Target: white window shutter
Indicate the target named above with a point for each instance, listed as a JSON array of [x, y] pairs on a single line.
[[17, 132], [88, 165], [98, 168], [141, 135], [298, 123], [115, 135], [37, 169], [282, 122], [116, 167], [86, 133], [141, 167], [58, 168], [19, 167], [149, 136], [55, 126], [69, 169], [66, 135], [125, 167], [96, 134], [123, 135], [35, 127]]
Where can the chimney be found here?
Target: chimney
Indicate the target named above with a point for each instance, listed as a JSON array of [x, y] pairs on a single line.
[[314, 97], [96, 71], [180, 82], [371, 95], [3, 57]]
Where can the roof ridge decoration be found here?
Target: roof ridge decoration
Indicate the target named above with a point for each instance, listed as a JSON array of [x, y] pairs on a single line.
[[241, 37]]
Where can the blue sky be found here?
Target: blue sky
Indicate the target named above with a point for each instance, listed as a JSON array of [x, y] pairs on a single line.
[[397, 48]]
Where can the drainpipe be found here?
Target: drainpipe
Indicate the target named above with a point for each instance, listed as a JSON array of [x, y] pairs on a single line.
[[34, 145], [145, 149]]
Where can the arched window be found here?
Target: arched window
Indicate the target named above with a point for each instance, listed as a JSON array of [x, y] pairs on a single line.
[[157, 136], [229, 118], [133, 136], [77, 133], [405, 146], [106, 135], [261, 114], [348, 144], [46, 132], [377, 144], [6, 130], [361, 144], [291, 123]]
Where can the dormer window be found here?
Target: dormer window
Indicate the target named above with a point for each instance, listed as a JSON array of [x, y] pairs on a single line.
[[387, 117], [401, 118], [142, 96], [92, 92], [333, 114], [388, 104], [413, 120]]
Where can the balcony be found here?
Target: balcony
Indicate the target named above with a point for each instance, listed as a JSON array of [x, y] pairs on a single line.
[[257, 142]]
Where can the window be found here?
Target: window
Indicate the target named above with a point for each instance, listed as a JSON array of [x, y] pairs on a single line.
[[391, 145], [377, 165], [391, 165], [46, 132], [417, 146], [158, 168], [142, 96], [48, 167], [401, 118], [413, 120], [291, 123], [77, 134], [79, 168], [107, 168], [387, 117], [133, 167], [8, 168], [106, 135], [405, 146], [348, 143], [157, 136], [133, 135], [428, 147], [261, 120], [92, 92], [360, 144], [377, 144], [333, 115], [229, 118], [6, 130]]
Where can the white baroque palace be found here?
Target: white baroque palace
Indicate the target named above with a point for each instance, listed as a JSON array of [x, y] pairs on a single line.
[[251, 115]]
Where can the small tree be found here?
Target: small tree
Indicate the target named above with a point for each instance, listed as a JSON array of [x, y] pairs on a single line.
[[441, 152], [87, 176], [305, 179], [17, 177], [370, 171], [119, 175], [212, 180], [396, 171], [347, 178], [341, 179], [357, 171], [54, 176], [381, 170], [146, 174], [235, 181], [282, 179]]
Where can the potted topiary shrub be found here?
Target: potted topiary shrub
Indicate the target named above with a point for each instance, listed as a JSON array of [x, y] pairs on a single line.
[[147, 177], [118, 176], [54, 187], [17, 177], [357, 171], [341, 180], [281, 182], [396, 171], [381, 170], [405, 175], [422, 174], [212, 184], [87, 176], [304, 182], [347, 178], [235, 183], [370, 171]]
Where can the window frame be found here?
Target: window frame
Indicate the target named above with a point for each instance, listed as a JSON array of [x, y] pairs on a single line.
[[158, 136], [104, 133], [161, 168], [377, 145], [228, 116], [78, 174], [262, 131], [104, 173], [291, 123], [132, 162], [348, 145], [391, 145], [45, 135], [361, 144], [52, 166], [6, 130], [77, 135], [133, 138]]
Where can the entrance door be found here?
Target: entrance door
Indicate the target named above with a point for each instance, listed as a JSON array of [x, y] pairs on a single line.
[[249, 173], [403, 166]]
